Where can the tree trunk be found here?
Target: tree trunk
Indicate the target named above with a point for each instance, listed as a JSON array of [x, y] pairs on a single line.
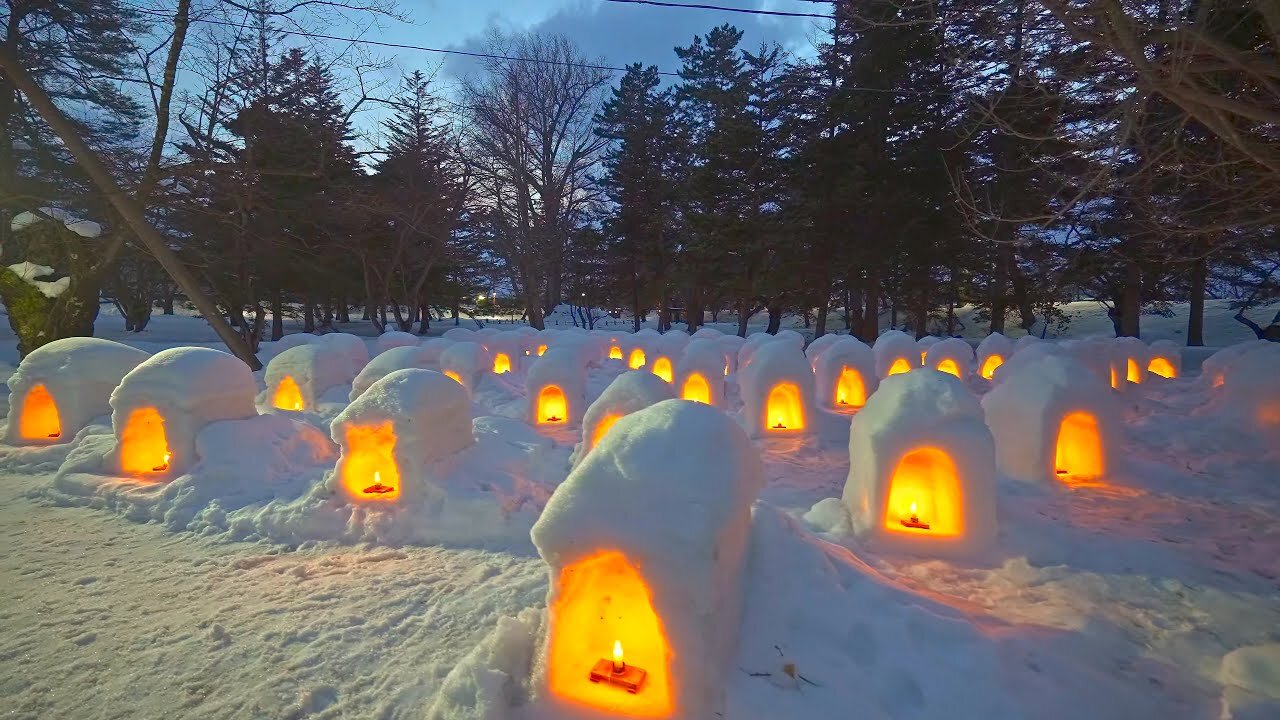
[[424, 318], [871, 311], [308, 315], [1000, 285], [775, 318], [820, 323], [1132, 299], [693, 310], [277, 315], [344, 313], [166, 302], [743, 317], [1195, 320]]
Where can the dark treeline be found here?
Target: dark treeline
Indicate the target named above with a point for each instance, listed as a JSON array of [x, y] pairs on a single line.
[[1007, 154]]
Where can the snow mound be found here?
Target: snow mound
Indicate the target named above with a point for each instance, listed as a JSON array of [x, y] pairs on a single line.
[[630, 392], [394, 339], [387, 362]]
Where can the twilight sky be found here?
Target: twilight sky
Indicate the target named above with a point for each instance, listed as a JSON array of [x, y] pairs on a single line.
[[616, 33]]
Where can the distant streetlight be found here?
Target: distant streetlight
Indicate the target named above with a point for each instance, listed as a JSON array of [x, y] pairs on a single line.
[[479, 298]]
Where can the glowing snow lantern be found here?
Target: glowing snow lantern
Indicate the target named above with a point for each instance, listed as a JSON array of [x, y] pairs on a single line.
[[819, 345], [1250, 395], [163, 403], [466, 363], [698, 374], [636, 359], [922, 467], [1214, 368], [1166, 359], [952, 356], [501, 363], [630, 392], [391, 433], [845, 375], [662, 368], [555, 388], [989, 365], [60, 387], [896, 353], [1053, 420], [776, 389], [299, 377], [645, 598], [615, 352], [1129, 361]]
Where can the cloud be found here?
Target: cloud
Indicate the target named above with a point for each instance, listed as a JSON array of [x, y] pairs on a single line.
[[619, 34]]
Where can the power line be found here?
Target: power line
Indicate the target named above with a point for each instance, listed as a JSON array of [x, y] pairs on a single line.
[[723, 8], [400, 46]]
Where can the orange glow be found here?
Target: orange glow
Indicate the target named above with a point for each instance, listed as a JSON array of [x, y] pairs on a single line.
[[553, 407], [923, 353], [949, 366], [369, 471], [288, 395], [144, 448], [1078, 454], [1115, 378], [1162, 367], [1219, 380], [990, 364], [784, 409], [851, 391], [1134, 371], [501, 363], [696, 389], [542, 349], [602, 606], [637, 359], [615, 353], [1269, 415], [453, 376], [39, 419], [925, 490], [602, 428], [662, 368], [900, 366]]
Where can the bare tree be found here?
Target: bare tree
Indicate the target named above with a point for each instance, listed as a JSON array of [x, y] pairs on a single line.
[[532, 145]]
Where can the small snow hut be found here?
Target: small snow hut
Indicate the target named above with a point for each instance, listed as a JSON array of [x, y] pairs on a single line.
[[556, 388], [896, 353], [1165, 359], [699, 373], [466, 363], [846, 375], [299, 377], [776, 390], [631, 391], [952, 356], [994, 351]]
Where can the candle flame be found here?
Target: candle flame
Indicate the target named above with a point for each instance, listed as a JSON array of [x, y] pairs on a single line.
[[166, 457], [913, 508], [377, 478], [617, 651]]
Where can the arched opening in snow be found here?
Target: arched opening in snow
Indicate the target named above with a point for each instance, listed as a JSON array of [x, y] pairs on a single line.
[[542, 349], [1133, 371], [603, 617], [602, 428], [662, 368], [39, 419], [696, 389], [949, 366], [144, 447], [288, 395], [851, 390], [454, 376], [615, 352], [636, 361], [899, 366], [501, 364], [553, 406], [1162, 367], [925, 496], [1115, 378], [368, 465], [989, 366], [784, 409], [1078, 452]]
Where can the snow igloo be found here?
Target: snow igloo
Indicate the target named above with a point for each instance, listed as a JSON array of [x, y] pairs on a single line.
[[394, 339], [952, 356], [466, 363], [700, 372], [61, 386], [387, 362], [1053, 420], [896, 353], [299, 377], [776, 390], [507, 351], [630, 392], [352, 347], [994, 351], [846, 375], [819, 345], [391, 433], [1250, 394], [556, 388], [646, 545], [1165, 359], [1129, 357], [922, 467], [162, 404]]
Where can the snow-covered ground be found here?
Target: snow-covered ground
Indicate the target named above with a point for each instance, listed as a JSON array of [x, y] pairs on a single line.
[[239, 591]]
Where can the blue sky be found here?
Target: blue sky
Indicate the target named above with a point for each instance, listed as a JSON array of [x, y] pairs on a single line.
[[616, 33]]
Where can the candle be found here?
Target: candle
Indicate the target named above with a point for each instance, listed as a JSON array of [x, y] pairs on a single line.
[[619, 666]]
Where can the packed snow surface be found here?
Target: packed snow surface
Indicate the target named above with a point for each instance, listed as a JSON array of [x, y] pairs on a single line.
[[244, 586]]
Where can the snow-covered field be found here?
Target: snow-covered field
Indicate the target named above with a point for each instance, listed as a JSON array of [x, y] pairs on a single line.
[[241, 590]]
